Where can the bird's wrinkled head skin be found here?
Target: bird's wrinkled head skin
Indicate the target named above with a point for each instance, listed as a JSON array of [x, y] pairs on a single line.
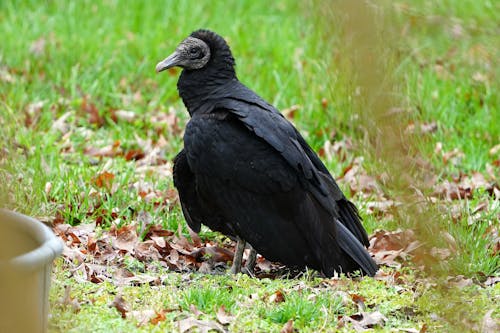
[[203, 48], [207, 64], [192, 53]]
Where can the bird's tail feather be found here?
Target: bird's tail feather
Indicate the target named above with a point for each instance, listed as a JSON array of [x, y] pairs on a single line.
[[350, 218], [350, 245]]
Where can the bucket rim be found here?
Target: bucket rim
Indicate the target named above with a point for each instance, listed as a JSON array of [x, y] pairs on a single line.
[[50, 246]]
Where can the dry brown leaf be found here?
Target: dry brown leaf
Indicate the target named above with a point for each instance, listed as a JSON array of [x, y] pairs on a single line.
[[490, 324], [494, 150], [104, 180], [481, 207], [92, 246], [381, 207], [69, 301], [263, 264], [364, 320], [147, 251], [204, 326], [134, 154], [387, 247], [194, 237], [422, 128], [453, 157], [223, 317], [288, 327], [460, 281], [124, 115], [492, 280], [358, 299], [479, 180], [277, 297], [106, 151], [157, 230], [92, 112], [120, 304], [453, 191], [159, 317], [38, 46], [213, 254], [143, 317], [125, 238], [441, 253], [194, 310], [136, 279], [291, 111]]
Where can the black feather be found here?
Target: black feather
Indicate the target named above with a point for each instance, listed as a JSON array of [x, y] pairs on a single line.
[[246, 171]]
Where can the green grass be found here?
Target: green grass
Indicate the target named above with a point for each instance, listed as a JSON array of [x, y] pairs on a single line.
[[443, 67], [312, 304]]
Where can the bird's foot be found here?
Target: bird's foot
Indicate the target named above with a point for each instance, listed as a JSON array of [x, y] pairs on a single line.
[[238, 256]]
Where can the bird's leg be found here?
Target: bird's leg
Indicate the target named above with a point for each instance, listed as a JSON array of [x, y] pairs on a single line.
[[250, 264], [238, 256]]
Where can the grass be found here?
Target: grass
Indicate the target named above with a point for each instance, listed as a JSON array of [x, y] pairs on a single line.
[[313, 304], [69, 59]]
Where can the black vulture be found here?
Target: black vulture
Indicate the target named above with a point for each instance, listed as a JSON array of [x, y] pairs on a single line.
[[246, 172]]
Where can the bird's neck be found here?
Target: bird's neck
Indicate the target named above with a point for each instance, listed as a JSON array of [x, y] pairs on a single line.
[[198, 87]]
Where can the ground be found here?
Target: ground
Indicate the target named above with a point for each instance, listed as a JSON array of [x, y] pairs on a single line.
[[400, 99]]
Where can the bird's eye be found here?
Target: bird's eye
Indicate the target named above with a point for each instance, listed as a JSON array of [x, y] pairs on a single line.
[[195, 53]]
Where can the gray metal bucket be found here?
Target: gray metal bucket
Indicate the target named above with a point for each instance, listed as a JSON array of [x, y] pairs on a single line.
[[27, 250]]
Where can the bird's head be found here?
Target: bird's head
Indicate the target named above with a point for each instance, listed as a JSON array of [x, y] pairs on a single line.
[[199, 50]]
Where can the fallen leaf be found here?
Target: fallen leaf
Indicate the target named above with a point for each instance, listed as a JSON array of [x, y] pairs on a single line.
[[120, 305], [263, 264], [460, 281], [142, 317], [489, 324], [453, 191], [134, 154], [127, 116], [364, 320], [159, 317], [204, 326], [387, 247], [195, 238], [92, 112], [125, 238], [359, 300], [104, 180], [223, 317], [277, 297], [288, 327], [492, 280], [291, 111], [157, 230], [38, 46], [494, 150], [194, 310], [106, 151], [422, 128], [69, 301], [213, 254], [61, 124]]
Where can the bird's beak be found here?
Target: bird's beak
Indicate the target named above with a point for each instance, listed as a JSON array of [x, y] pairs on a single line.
[[171, 61]]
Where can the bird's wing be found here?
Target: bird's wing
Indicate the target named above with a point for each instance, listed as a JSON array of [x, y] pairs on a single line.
[[196, 209], [271, 126], [264, 197], [185, 183]]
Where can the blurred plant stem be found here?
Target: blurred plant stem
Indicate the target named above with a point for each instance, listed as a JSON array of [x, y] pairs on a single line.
[[368, 57]]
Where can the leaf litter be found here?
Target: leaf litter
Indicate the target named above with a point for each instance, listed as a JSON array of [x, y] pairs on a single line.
[[100, 254]]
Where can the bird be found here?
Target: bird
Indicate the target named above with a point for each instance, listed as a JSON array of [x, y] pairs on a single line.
[[247, 172]]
